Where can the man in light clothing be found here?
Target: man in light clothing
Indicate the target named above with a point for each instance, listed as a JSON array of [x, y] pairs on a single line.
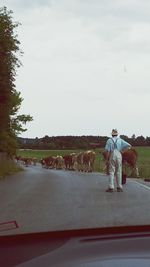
[[113, 146]]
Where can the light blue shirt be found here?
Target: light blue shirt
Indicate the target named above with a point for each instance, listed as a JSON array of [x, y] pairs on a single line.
[[116, 143]]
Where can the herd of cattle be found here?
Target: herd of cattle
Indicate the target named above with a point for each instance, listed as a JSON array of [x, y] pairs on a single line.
[[82, 161]]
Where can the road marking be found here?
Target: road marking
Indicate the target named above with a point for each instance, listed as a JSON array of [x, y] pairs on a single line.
[[145, 186], [5, 226]]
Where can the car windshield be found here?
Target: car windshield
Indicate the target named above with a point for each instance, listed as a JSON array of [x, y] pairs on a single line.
[[74, 99]]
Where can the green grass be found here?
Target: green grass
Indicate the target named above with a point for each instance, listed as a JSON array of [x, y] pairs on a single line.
[[144, 161], [44, 153], [143, 158]]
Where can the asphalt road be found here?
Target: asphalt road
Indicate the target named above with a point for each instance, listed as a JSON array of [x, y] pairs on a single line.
[[47, 200]]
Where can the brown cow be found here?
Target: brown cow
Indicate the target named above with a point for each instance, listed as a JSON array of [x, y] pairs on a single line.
[[70, 161], [74, 161], [88, 160], [26, 161], [17, 158], [129, 158], [58, 162], [67, 161], [47, 162], [79, 160]]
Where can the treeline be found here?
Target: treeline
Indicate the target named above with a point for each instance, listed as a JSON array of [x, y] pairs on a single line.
[[76, 142]]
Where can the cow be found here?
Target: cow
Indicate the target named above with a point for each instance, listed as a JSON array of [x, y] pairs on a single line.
[[129, 158], [47, 162], [34, 161], [69, 162], [88, 160], [17, 158], [58, 162], [26, 161], [74, 161], [79, 160], [42, 161], [85, 161]]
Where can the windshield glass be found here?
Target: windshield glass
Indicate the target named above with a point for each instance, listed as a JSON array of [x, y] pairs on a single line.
[[75, 94]]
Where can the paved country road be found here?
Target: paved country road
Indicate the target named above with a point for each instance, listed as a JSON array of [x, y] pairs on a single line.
[[46, 200]]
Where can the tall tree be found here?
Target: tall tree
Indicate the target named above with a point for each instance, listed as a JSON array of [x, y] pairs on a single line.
[[10, 98]]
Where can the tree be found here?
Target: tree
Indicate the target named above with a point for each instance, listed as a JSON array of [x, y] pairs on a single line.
[[46, 139], [140, 140], [11, 124], [133, 137]]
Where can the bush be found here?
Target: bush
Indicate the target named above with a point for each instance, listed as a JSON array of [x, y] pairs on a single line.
[[8, 167]]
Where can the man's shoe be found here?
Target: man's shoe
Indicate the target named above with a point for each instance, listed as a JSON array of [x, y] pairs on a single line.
[[119, 189], [110, 190]]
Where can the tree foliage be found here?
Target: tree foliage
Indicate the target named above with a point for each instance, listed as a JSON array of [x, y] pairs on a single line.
[[75, 142], [11, 124]]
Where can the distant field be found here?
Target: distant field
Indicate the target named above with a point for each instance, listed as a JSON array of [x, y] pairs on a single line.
[[143, 158]]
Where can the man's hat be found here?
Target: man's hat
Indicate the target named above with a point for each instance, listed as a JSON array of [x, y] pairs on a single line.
[[114, 132]]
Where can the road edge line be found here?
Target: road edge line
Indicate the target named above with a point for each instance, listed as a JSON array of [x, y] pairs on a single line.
[[145, 186]]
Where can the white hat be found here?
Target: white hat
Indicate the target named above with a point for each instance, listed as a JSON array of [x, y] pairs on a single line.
[[114, 132]]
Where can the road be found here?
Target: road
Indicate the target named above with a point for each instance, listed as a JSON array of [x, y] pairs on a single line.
[[46, 200]]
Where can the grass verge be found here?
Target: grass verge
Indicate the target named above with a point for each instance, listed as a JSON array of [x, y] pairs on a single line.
[[8, 167]]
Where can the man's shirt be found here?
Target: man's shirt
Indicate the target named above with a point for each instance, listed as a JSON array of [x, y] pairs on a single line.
[[116, 143]]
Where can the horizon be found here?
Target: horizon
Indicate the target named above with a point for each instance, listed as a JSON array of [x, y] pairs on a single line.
[[82, 136]]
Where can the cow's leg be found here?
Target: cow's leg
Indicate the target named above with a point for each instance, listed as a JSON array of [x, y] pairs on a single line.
[[135, 171], [90, 166]]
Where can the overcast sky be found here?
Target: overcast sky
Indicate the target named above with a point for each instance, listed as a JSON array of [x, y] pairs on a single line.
[[86, 66]]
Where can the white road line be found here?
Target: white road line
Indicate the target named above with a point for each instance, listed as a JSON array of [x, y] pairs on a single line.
[[145, 186]]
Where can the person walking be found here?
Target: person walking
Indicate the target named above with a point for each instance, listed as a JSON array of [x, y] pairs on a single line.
[[114, 146]]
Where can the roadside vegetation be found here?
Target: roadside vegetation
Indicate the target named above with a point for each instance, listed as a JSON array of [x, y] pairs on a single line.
[[143, 158], [144, 161], [11, 124], [8, 168]]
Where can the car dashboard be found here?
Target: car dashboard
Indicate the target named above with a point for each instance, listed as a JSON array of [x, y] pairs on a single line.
[[104, 247]]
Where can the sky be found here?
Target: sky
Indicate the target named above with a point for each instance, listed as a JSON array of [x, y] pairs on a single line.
[[86, 66]]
